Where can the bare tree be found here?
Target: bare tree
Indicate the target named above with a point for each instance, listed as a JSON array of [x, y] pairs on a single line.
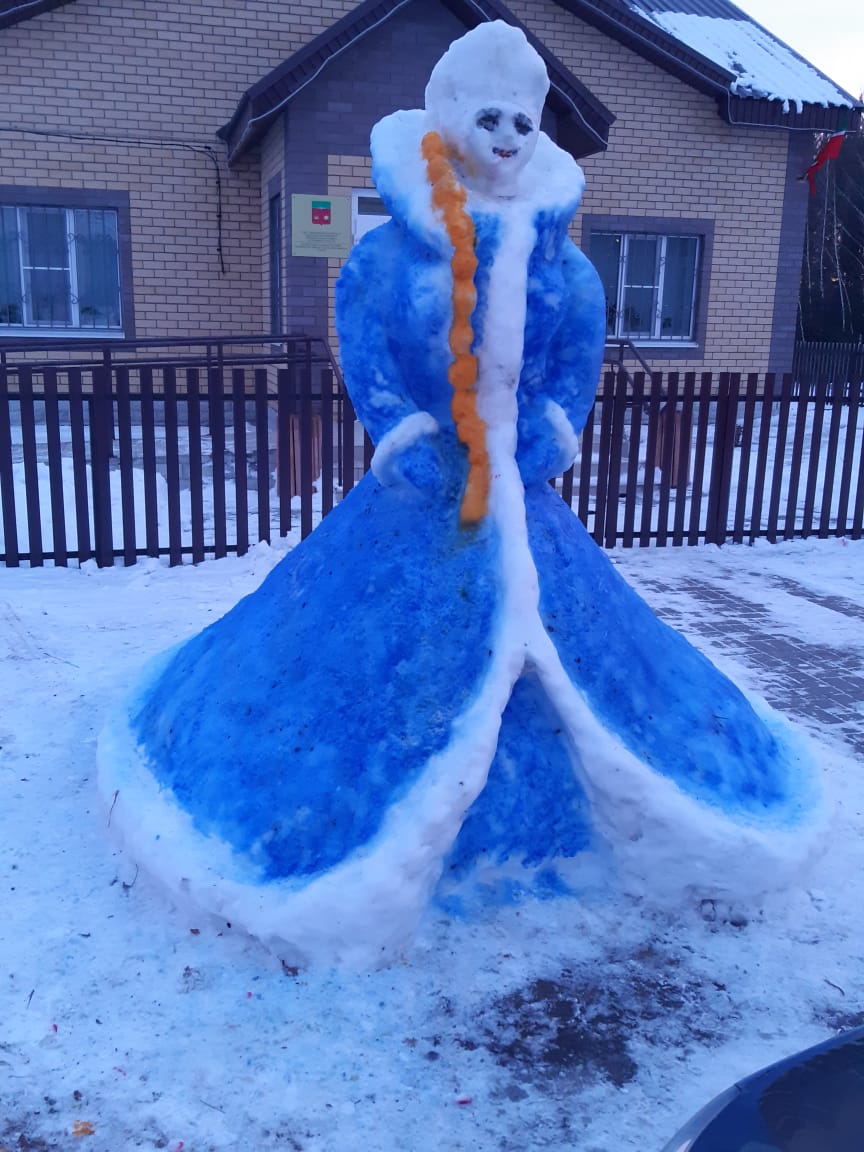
[[832, 280]]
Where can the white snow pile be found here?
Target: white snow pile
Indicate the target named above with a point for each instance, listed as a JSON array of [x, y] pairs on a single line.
[[128, 1021], [763, 65]]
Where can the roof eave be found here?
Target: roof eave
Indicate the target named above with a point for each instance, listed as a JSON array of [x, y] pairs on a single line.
[[19, 11], [264, 102], [760, 112], [651, 42], [563, 82], [663, 49]]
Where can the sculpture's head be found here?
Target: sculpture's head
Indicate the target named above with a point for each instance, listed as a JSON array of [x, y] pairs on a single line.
[[485, 97]]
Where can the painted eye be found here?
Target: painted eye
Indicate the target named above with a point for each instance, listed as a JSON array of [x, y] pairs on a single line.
[[522, 124], [489, 119]]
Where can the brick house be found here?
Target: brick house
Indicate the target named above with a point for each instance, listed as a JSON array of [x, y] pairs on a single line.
[[155, 160]]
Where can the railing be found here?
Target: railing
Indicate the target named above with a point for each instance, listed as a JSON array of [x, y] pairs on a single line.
[[187, 456], [680, 459], [183, 448], [614, 354], [835, 362]]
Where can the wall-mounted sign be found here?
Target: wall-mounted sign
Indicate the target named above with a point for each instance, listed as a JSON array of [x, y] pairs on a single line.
[[320, 225]]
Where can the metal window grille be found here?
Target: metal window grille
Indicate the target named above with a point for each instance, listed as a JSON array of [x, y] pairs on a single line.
[[650, 282], [59, 269]]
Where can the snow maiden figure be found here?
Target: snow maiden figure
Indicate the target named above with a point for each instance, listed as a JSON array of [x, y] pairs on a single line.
[[448, 682]]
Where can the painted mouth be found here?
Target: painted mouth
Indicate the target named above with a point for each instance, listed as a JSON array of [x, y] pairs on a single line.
[[505, 153]]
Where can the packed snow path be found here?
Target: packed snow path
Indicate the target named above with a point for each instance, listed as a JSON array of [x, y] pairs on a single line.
[[556, 1026]]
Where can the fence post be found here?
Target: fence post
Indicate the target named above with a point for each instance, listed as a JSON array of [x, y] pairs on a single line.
[[55, 465], [601, 499], [216, 418], [172, 464], [721, 462], [101, 448], [666, 451], [262, 452], [285, 389], [613, 488], [307, 467], [7, 482], [347, 425], [326, 441], [29, 452], [654, 399]]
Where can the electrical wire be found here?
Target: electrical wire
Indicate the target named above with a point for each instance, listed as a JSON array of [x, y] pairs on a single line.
[[141, 141], [333, 56]]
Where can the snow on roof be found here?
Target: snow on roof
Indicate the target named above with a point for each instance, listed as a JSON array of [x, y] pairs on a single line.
[[763, 65]]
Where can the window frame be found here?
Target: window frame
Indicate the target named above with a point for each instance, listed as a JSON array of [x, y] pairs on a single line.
[[703, 229], [358, 194], [71, 199], [276, 255]]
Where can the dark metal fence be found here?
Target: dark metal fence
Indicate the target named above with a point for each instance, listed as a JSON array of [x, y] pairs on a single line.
[[181, 449], [202, 450], [684, 459], [837, 363]]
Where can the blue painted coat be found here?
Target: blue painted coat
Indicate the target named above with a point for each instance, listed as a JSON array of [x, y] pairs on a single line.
[[294, 725]]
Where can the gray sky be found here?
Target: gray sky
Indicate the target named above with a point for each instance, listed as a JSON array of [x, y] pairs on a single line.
[[828, 33]]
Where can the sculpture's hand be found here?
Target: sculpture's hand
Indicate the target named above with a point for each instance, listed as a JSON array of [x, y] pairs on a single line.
[[407, 455], [421, 466], [548, 443]]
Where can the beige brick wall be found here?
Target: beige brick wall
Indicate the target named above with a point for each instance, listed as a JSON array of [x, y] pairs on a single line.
[[669, 155], [156, 70]]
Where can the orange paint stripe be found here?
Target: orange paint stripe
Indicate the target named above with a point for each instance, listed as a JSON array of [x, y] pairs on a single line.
[[448, 196]]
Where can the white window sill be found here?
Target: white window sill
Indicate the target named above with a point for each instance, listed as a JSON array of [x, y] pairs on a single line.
[[612, 341], [666, 344], [15, 333]]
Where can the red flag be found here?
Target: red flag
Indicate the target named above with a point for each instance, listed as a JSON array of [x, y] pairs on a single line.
[[830, 150]]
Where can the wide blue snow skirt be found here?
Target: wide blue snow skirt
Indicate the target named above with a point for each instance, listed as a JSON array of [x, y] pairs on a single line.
[[532, 808], [667, 702], [291, 725]]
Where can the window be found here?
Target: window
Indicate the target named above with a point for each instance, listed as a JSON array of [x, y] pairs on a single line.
[[276, 264], [60, 265], [652, 279], [367, 212]]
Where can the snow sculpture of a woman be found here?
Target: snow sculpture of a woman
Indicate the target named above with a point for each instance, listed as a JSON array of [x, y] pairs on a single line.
[[448, 677]]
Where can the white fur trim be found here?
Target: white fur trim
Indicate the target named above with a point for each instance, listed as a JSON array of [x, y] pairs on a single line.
[[394, 442], [565, 435]]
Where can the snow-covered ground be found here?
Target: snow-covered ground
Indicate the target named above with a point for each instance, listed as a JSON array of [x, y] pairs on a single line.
[[127, 1021]]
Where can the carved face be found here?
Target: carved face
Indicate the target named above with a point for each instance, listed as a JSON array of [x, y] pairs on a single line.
[[485, 96], [499, 140]]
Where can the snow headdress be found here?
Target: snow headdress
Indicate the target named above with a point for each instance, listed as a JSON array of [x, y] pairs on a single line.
[[492, 65]]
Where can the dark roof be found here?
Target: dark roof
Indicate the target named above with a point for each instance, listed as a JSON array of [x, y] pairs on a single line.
[[653, 29], [14, 11], [583, 122]]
